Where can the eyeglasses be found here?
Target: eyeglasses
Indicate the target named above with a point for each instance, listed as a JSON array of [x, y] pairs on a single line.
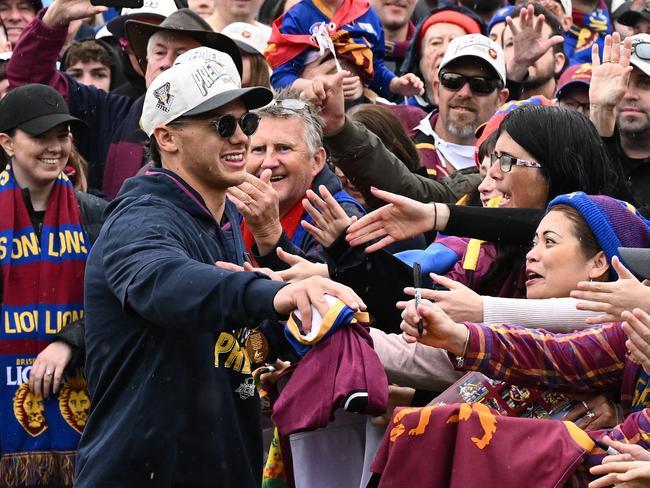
[[506, 162], [641, 49], [478, 84], [574, 104]]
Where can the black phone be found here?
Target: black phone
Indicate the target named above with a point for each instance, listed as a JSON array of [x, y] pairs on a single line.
[[119, 3]]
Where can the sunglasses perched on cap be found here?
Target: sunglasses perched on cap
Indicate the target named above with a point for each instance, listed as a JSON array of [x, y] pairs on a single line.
[[478, 84], [506, 162], [226, 124], [641, 49]]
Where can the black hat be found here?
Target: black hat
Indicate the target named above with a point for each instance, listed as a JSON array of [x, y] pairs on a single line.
[[631, 11], [637, 259], [33, 108], [186, 22]]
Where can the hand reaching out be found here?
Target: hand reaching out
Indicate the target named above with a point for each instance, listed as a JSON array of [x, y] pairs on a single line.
[[328, 217], [300, 268], [407, 85]]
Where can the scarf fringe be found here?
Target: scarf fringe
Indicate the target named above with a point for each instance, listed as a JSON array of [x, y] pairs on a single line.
[[37, 468]]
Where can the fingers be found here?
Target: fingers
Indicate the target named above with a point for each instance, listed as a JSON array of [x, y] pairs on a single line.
[[615, 48], [382, 243], [265, 177], [289, 258], [368, 223], [303, 304], [373, 231], [446, 282], [607, 49], [331, 204], [622, 272], [346, 294], [626, 53], [595, 55]]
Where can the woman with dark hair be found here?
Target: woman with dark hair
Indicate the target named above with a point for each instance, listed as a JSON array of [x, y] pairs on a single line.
[[45, 236]]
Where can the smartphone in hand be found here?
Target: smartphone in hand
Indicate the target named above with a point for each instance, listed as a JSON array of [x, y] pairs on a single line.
[[119, 3]]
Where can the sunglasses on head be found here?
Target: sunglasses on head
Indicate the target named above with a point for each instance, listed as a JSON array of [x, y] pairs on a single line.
[[478, 84], [642, 50]]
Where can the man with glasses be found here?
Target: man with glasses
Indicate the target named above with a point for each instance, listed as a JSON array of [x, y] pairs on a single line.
[[469, 89], [620, 109], [173, 398], [573, 88], [285, 160]]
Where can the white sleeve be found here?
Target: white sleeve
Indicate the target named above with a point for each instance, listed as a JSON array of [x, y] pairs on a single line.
[[414, 365], [552, 314]]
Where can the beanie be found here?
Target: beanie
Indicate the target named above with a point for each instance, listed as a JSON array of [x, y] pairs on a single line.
[[615, 223], [450, 17]]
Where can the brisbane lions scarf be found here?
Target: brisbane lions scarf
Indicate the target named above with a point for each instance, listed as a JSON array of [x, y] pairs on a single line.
[[42, 291]]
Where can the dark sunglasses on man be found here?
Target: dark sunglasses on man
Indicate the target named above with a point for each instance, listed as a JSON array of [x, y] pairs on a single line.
[[480, 85], [227, 124]]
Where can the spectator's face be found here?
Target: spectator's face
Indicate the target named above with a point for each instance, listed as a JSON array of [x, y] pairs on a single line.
[[394, 14], [544, 68], [279, 145], [496, 34], [91, 73], [521, 187], [433, 47], [38, 160], [209, 161], [162, 51], [556, 263], [16, 14], [641, 26], [462, 111], [487, 189], [634, 109], [576, 97], [202, 7], [243, 10]]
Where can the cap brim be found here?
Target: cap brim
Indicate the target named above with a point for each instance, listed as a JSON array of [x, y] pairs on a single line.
[[487, 63], [253, 97], [138, 34], [630, 17], [571, 83], [637, 260], [42, 124]]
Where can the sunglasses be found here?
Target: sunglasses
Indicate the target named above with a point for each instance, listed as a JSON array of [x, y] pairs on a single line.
[[478, 84], [506, 162], [290, 103], [641, 49], [226, 124]]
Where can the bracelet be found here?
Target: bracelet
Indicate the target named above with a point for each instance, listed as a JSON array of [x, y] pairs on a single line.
[[460, 360]]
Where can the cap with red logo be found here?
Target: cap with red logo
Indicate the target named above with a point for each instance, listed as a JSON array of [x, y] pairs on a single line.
[[578, 74], [477, 46]]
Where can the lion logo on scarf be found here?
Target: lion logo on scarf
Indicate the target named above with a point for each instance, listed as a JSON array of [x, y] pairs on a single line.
[[28, 410], [74, 403]]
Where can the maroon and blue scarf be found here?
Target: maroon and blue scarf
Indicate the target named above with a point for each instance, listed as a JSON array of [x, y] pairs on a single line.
[[42, 292]]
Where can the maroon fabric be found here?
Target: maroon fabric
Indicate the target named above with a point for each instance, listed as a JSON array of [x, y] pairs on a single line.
[[333, 369], [462, 446], [408, 115]]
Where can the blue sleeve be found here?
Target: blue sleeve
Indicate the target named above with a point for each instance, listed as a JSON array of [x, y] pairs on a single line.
[[289, 72], [149, 270], [383, 76]]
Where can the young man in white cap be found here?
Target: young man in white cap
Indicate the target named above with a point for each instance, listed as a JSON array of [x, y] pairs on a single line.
[[173, 399], [619, 95], [469, 88]]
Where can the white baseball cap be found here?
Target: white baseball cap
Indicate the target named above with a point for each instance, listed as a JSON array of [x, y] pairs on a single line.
[[248, 37], [635, 60], [567, 6], [201, 79], [476, 46]]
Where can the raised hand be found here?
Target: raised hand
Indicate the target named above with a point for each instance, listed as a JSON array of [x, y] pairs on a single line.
[[352, 87], [401, 219], [329, 218], [258, 203], [62, 12], [630, 474], [407, 85], [612, 298], [326, 94], [629, 452], [460, 303], [610, 77], [529, 43]]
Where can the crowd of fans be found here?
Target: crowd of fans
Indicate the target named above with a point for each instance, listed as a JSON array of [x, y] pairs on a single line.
[[260, 243]]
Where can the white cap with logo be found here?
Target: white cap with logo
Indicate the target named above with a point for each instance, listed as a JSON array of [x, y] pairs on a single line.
[[643, 63], [201, 80], [476, 46], [250, 38]]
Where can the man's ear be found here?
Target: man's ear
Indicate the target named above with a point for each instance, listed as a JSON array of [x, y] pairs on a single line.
[[166, 139], [560, 60], [600, 267], [503, 97], [319, 160]]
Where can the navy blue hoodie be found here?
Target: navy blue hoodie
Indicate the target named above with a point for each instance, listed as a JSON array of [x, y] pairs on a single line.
[[173, 402]]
